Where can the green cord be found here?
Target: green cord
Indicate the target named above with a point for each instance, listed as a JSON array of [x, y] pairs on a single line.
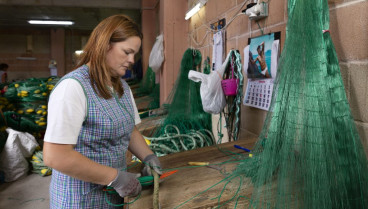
[[237, 200], [259, 27], [177, 142], [236, 193], [148, 180], [202, 192]]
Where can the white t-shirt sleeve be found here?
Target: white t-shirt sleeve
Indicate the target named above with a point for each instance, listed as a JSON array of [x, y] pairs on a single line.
[[66, 112], [137, 119], [67, 109]]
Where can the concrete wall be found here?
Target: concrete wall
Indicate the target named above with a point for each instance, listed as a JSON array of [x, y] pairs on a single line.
[[13, 44], [150, 28], [58, 44], [174, 28], [349, 29]]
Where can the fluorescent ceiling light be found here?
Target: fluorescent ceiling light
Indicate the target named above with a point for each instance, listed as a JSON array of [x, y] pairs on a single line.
[[78, 52], [193, 11], [50, 22]]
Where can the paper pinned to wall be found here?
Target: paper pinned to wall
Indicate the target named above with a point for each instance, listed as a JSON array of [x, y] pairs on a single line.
[[217, 50]]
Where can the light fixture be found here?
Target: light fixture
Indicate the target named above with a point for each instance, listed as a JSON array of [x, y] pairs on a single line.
[[50, 22], [78, 52], [195, 9]]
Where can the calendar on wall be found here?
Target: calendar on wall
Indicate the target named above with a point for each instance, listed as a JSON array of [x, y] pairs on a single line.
[[260, 65], [259, 93]]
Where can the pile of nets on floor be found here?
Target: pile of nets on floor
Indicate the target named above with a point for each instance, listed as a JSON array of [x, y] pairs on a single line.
[[24, 108], [186, 125], [24, 104]]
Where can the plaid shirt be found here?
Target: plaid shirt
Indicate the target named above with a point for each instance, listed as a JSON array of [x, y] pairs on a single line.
[[104, 138]]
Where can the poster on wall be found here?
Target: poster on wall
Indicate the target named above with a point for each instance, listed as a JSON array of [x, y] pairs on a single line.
[[260, 65]]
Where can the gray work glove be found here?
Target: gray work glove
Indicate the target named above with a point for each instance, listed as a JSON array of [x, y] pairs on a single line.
[[151, 161], [127, 184]]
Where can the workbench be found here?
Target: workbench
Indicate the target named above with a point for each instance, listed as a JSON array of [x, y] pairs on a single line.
[[187, 182]]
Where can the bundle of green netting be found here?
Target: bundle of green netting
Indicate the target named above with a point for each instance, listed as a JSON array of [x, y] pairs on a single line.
[[186, 125], [38, 166], [25, 104], [309, 154], [147, 95], [5, 105], [150, 101], [147, 84]]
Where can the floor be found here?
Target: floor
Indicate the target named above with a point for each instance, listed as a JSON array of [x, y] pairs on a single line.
[[30, 192]]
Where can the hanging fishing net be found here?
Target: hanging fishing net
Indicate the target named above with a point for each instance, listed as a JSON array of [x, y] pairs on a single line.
[[147, 84], [147, 94], [186, 125], [150, 101], [309, 154]]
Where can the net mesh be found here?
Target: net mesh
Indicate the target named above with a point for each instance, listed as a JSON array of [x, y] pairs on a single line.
[[186, 125], [146, 85], [24, 104], [147, 95], [309, 154]]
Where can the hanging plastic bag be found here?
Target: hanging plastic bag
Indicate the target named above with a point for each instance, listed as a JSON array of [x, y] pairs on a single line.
[[157, 54], [212, 95]]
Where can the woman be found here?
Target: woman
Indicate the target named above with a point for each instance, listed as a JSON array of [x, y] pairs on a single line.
[[91, 122]]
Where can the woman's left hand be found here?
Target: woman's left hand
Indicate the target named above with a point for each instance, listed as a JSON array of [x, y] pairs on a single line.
[[151, 162]]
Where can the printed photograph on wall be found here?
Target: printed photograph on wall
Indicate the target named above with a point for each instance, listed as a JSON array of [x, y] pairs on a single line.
[[259, 58]]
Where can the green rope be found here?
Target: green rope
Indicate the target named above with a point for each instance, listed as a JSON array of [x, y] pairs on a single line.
[[183, 203], [232, 109], [186, 125], [239, 94], [173, 141]]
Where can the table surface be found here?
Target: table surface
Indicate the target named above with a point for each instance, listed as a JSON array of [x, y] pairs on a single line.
[[187, 182]]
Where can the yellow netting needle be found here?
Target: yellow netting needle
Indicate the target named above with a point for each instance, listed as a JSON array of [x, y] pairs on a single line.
[[198, 163]]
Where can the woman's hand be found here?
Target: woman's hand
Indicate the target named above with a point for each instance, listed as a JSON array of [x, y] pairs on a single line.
[[151, 162], [126, 184]]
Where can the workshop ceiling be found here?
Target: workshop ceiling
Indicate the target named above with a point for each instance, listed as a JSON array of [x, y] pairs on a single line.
[[85, 13]]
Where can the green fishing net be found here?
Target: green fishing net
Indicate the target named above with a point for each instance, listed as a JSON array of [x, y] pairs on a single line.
[[186, 125], [150, 101], [147, 94], [147, 84], [309, 154], [24, 104], [206, 66], [38, 166]]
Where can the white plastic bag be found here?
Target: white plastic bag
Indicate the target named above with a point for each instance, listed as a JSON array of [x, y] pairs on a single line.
[[18, 147], [157, 54], [212, 95]]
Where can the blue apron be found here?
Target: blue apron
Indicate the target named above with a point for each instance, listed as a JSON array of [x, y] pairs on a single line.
[[104, 138]]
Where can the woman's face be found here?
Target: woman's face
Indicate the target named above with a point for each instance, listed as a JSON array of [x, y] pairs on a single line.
[[120, 56]]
